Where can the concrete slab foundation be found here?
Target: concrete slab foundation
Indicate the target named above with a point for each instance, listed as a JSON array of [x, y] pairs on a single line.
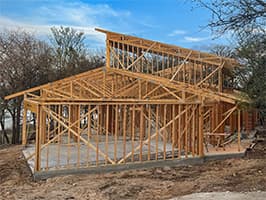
[[63, 159]]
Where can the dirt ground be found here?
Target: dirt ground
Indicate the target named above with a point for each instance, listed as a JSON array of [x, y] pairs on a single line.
[[223, 196], [235, 175]]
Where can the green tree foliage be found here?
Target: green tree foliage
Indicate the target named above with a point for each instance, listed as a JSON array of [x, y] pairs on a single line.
[[253, 77], [246, 20]]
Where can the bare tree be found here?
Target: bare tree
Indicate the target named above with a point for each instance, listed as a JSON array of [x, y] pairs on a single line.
[[241, 17], [69, 50], [24, 63], [70, 53]]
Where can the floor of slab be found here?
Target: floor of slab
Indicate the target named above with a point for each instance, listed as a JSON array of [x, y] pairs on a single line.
[[62, 156], [74, 155]]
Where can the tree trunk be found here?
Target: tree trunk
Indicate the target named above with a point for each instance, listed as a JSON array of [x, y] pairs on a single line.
[[2, 123]]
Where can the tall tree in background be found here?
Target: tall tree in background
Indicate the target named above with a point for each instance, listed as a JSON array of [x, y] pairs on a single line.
[[252, 53], [246, 20], [69, 50], [70, 53], [25, 62]]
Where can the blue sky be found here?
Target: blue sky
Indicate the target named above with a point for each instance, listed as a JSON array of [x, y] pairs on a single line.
[[169, 21]]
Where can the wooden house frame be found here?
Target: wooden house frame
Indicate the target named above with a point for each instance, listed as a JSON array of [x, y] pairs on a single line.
[[152, 101]]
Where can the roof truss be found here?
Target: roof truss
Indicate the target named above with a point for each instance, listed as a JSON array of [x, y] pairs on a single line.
[[139, 70]]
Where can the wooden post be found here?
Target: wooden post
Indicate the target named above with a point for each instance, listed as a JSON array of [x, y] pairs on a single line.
[[48, 138], [186, 131], [139, 86], [106, 133], [59, 114], [149, 132], [88, 133], [193, 133], [116, 132], [97, 134], [124, 130], [197, 131], [123, 54], [217, 115], [68, 134], [133, 132], [201, 153], [173, 131], [238, 129], [38, 141], [141, 132], [107, 52], [43, 126], [220, 80], [179, 131], [164, 132], [72, 120], [79, 134], [157, 130], [104, 83], [24, 126]]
